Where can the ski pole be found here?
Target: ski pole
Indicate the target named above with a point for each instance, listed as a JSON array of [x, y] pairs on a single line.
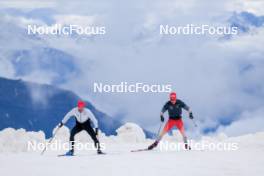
[[51, 139], [157, 135], [194, 123]]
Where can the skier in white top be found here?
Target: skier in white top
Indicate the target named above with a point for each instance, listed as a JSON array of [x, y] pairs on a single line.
[[84, 117]]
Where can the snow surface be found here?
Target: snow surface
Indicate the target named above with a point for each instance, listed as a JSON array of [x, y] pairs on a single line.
[[15, 159]]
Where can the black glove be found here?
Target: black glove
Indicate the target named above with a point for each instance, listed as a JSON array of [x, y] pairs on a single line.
[[161, 118], [96, 131], [191, 115], [60, 125]]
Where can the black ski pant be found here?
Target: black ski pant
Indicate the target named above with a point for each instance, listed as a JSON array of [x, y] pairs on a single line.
[[88, 128]]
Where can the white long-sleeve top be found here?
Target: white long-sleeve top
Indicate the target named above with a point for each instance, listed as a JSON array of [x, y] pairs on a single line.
[[81, 116]]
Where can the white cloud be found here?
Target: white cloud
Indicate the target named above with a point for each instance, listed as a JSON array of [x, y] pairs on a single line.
[[80, 20], [40, 76], [26, 4], [21, 22], [249, 122], [253, 6], [6, 68]]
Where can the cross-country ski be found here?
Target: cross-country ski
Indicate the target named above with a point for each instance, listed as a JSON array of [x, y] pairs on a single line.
[[140, 150]]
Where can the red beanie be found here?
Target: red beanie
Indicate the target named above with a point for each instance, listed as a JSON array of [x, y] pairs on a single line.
[[173, 96], [81, 104]]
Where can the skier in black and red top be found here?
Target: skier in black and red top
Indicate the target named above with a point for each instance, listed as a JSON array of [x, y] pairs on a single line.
[[174, 108]]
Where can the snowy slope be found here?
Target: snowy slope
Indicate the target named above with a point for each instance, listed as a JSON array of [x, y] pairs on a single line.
[[247, 160]]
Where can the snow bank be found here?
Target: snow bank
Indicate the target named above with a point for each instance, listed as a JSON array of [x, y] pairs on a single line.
[[255, 140], [130, 132], [63, 134], [12, 140]]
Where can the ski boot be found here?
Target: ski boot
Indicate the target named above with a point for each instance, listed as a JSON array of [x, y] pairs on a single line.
[[153, 145], [187, 147], [69, 153], [99, 152]]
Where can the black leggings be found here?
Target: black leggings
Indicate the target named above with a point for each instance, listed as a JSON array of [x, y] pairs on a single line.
[[88, 128]]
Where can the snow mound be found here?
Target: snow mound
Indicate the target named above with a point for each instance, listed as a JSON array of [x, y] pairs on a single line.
[[63, 134], [12, 140], [130, 132], [16, 141]]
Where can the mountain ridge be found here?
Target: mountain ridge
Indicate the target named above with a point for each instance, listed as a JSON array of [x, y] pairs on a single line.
[[20, 109]]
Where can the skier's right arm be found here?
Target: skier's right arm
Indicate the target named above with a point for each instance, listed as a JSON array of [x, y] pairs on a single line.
[[67, 117], [164, 109]]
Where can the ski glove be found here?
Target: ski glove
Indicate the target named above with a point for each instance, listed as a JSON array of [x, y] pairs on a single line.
[[161, 118], [60, 125], [96, 131], [191, 115]]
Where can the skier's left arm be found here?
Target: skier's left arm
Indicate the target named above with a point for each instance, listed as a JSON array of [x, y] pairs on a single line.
[[93, 119], [188, 109]]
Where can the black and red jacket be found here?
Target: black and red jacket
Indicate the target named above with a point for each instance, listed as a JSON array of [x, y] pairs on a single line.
[[175, 110]]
